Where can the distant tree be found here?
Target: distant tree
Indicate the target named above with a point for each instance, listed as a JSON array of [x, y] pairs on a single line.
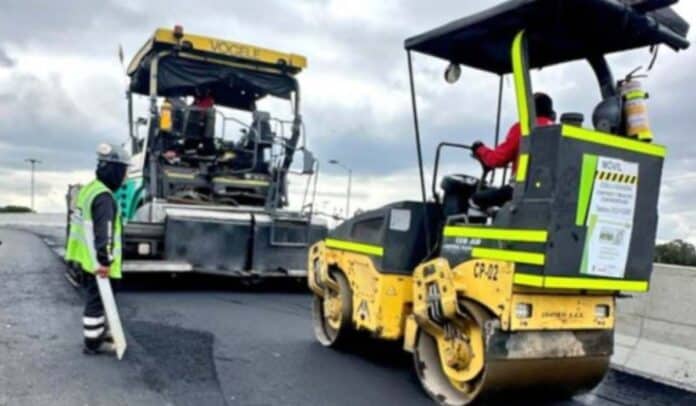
[[678, 252], [15, 209]]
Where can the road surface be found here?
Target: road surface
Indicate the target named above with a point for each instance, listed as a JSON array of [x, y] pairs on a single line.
[[201, 342]]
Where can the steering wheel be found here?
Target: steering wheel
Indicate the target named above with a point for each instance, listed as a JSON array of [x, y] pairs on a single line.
[[485, 170]]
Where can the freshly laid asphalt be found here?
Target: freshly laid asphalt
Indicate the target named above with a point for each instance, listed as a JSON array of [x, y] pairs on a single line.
[[203, 341]]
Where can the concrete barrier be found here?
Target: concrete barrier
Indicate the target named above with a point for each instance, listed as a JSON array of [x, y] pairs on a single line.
[[656, 331]]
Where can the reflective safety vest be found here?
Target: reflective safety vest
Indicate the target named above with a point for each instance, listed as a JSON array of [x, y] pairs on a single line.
[[81, 247]]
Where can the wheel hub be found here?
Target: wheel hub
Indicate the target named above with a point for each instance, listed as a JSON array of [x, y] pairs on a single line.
[[332, 310], [457, 354]]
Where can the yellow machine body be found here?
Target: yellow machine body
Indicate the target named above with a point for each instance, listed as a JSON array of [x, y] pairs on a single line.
[[471, 313], [220, 48], [381, 302], [490, 284]]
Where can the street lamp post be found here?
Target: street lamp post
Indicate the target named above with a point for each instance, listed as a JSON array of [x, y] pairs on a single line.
[[32, 162], [350, 180]]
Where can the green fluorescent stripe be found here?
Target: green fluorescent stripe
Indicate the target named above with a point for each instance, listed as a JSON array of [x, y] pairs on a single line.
[[520, 85], [600, 284], [615, 141], [529, 280], [586, 247], [589, 166], [560, 282], [522, 166], [521, 257], [505, 234], [355, 247]]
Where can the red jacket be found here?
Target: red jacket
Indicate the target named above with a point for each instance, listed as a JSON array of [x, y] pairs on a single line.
[[204, 102], [508, 150]]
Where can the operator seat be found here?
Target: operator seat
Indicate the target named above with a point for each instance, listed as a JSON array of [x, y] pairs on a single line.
[[259, 139], [199, 131]]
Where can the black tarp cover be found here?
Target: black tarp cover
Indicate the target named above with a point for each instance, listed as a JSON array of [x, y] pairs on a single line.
[[230, 86], [557, 31]]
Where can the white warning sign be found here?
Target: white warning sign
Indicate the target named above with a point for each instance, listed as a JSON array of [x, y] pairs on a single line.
[[610, 218], [112, 317]]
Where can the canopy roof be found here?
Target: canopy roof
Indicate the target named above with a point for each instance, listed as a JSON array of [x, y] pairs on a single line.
[[557, 31], [236, 74]]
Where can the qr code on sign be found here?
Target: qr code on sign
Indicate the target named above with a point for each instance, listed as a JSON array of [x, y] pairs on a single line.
[[612, 236]]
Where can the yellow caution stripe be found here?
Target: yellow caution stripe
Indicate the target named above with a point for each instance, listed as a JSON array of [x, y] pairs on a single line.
[[615, 141], [179, 175], [491, 233], [243, 182], [359, 247], [617, 177], [521, 257], [563, 282]]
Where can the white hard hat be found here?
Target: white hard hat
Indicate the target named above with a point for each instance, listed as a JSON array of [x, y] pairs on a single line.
[[113, 153]]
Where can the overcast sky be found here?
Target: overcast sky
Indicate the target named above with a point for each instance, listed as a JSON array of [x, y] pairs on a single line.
[[62, 91]]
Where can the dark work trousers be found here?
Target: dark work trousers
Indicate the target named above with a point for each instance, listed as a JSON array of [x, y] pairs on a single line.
[[93, 319], [492, 197]]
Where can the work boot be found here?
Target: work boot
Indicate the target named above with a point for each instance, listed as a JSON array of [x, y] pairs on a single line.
[[104, 348], [475, 210]]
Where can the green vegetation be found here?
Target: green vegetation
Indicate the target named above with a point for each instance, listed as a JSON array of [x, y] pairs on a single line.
[[677, 252], [15, 209]]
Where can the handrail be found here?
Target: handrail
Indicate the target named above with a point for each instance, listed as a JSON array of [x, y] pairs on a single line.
[[437, 163]]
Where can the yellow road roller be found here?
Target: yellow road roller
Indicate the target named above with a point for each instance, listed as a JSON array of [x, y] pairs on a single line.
[[519, 296]]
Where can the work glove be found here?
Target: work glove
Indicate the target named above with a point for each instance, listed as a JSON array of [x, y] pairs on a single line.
[[474, 148], [103, 271]]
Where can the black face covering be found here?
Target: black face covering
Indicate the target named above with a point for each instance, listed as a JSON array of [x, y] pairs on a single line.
[[111, 174], [544, 106]]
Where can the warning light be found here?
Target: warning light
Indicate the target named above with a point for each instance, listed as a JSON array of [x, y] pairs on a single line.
[[523, 310], [178, 31]]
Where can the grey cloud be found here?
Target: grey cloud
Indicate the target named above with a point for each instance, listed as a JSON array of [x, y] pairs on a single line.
[[371, 145], [73, 27], [5, 60], [42, 121], [341, 195], [95, 28], [38, 117], [21, 184], [368, 51], [6, 98]]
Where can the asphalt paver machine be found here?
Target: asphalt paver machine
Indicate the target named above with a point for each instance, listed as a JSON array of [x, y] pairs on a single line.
[[522, 298], [197, 198]]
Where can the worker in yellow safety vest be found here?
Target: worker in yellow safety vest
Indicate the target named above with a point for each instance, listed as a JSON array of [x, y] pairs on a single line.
[[94, 241]]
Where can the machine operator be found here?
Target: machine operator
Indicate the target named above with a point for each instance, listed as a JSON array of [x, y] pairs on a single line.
[[507, 153]]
